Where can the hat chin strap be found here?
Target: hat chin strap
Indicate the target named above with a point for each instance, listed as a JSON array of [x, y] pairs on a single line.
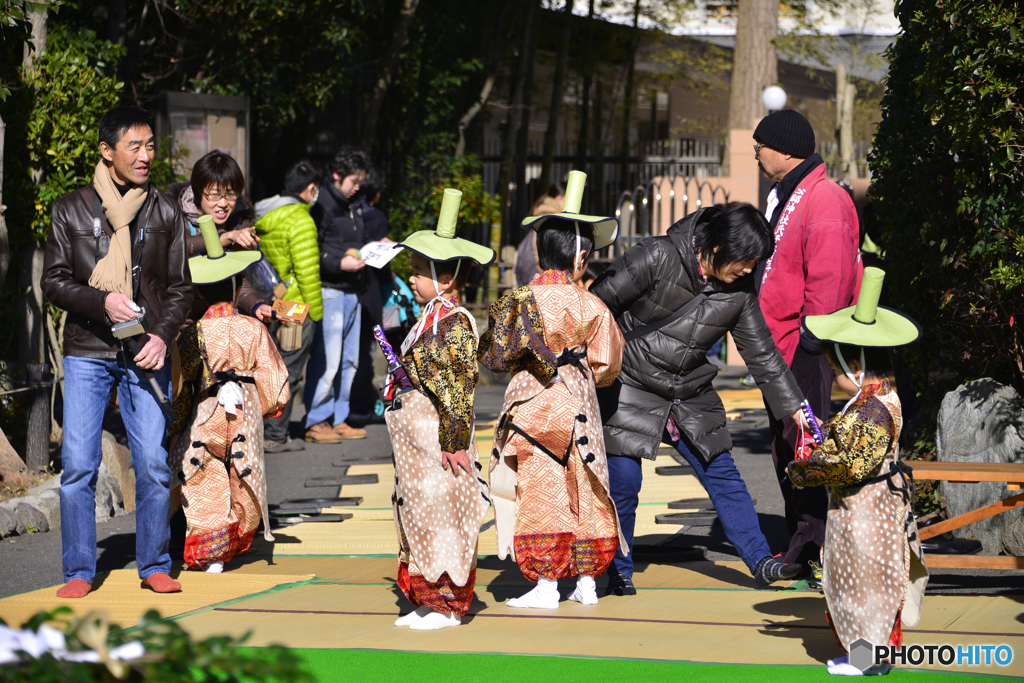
[[577, 261], [438, 299], [859, 383]]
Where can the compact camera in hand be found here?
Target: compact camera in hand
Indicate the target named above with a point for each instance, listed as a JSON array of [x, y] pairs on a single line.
[[130, 329]]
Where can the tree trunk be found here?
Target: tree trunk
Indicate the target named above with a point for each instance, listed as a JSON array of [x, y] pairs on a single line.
[[36, 16], [522, 197], [627, 105], [32, 344], [37, 437], [551, 134], [581, 141], [5, 244], [847, 169], [467, 118], [597, 193], [754, 64], [387, 71], [511, 129], [494, 43]]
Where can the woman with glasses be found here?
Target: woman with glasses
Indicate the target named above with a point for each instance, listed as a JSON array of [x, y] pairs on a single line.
[[215, 189]]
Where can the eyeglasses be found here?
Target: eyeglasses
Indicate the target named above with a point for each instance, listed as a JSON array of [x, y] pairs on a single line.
[[758, 147], [217, 196]]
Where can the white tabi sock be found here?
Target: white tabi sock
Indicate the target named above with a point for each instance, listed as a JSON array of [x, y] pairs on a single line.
[[543, 596], [840, 666], [586, 591], [435, 621], [414, 616], [215, 568]]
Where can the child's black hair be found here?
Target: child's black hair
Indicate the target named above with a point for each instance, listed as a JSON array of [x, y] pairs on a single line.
[[876, 358], [448, 268], [217, 292], [556, 243], [739, 232]]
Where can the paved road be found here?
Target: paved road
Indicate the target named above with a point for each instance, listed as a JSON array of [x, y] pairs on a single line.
[[31, 562]]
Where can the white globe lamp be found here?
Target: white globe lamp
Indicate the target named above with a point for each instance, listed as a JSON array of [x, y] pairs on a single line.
[[773, 98]]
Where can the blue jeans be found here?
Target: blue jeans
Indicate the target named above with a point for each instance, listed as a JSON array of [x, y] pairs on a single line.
[[87, 385], [335, 357], [725, 487]]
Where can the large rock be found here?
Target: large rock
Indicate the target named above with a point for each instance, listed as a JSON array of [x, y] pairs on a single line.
[[104, 501], [49, 505], [33, 519], [10, 524], [108, 480], [12, 468], [118, 460], [983, 421]]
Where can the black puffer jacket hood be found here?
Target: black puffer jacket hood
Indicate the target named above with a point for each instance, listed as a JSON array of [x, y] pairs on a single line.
[[667, 371]]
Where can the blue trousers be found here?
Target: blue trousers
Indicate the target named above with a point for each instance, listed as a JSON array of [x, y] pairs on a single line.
[[87, 385], [724, 485], [334, 359]]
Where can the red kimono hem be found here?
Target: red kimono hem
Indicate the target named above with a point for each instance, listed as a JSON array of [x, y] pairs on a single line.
[[443, 596], [562, 555]]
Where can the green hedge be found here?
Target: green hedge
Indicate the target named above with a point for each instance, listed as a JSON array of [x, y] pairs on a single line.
[[948, 188]]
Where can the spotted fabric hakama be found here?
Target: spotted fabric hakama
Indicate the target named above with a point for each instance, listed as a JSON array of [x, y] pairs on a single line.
[[874, 574], [438, 515]]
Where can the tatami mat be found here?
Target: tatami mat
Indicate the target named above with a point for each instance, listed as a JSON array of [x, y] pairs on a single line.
[[121, 595], [696, 625], [492, 571]]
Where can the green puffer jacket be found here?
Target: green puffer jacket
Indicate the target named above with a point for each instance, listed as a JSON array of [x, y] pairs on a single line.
[[288, 239]]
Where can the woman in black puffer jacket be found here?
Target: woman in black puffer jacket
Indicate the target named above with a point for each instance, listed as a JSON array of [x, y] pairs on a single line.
[[700, 267]]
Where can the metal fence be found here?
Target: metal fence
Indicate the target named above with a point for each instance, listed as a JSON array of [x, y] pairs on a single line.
[[652, 208], [829, 152], [609, 174]]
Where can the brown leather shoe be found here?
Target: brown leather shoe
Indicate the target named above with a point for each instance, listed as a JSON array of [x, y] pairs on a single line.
[[322, 433], [345, 432]]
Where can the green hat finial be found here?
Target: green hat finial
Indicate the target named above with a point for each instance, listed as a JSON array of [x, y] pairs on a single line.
[[870, 290], [210, 237], [572, 200], [449, 215]]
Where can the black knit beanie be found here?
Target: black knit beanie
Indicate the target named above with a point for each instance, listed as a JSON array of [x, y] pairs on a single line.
[[787, 131]]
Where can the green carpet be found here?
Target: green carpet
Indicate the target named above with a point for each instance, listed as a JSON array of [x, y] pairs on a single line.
[[371, 666]]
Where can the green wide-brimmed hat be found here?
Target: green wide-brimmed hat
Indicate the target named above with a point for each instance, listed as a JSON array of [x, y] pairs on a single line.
[[216, 264], [442, 245], [866, 323], [605, 229]]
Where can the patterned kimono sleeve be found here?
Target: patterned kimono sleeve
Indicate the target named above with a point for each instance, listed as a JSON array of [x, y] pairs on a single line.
[[270, 373], [855, 447], [604, 350], [448, 373], [191, 373], [514, 339]]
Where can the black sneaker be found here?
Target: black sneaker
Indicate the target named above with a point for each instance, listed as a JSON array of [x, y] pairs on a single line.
[[771, 569], [620, 585]]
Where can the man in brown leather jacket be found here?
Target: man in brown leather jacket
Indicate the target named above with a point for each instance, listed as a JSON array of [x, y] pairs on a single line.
[[116, 250]]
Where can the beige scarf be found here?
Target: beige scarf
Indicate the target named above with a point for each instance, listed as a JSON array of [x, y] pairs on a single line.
[[113, 272]]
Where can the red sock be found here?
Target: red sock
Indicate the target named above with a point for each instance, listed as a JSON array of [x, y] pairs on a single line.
[[161, 583], [75, 588]]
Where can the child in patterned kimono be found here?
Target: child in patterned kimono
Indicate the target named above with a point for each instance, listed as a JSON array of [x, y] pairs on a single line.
[[232, 376], [874, 574], [440, 499], [548, 471]]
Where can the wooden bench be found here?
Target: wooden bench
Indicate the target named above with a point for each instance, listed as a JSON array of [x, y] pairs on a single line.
[[972, 473]]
